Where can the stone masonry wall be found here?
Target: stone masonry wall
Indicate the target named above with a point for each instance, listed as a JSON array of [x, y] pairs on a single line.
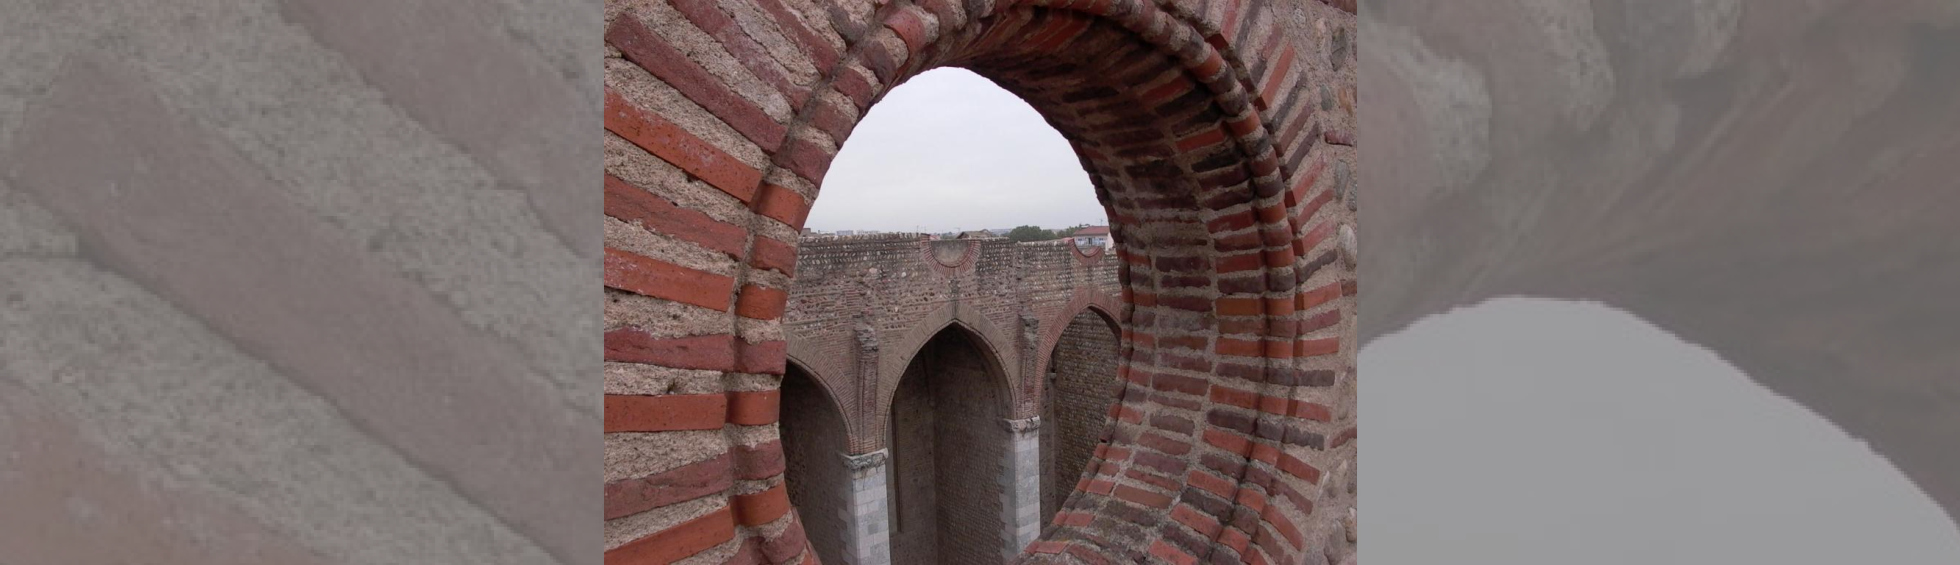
[[894, 291], [813, 443], [915, 471], [307, 283], [971, 440], [1215, 133], [1084, 386], [860, 305]]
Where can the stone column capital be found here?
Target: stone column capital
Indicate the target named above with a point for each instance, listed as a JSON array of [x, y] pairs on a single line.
[[865, 461], [1023, 425]]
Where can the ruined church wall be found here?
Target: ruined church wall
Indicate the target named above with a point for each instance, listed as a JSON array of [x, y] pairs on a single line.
[[897, 289]]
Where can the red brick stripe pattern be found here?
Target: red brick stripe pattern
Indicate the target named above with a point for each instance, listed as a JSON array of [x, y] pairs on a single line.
[[1207, 128]]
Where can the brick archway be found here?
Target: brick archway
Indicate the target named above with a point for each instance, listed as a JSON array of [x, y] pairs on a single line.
[[1084, 300], [813, 431], [1205, 127], [992, 346], [1088, 256], [820, 376], [1078, 377], [949, 450]]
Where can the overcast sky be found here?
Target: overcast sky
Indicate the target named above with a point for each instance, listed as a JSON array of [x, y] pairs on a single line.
[[949, 150], [1538, 432]]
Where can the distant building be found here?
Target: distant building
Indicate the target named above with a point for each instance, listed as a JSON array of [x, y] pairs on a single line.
[[1093, 236]]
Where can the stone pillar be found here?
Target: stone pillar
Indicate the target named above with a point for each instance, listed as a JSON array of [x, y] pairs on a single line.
[[869, 539], [1031, 355], [1020, 486], [869, 380]]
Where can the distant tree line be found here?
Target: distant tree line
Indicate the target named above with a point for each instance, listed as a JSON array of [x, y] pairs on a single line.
[[1034, 233]]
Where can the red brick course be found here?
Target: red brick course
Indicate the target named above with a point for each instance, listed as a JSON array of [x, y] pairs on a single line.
[[683, 149], [648, 50], [678, 542], [627, 413], [632, 496], [644, 275]]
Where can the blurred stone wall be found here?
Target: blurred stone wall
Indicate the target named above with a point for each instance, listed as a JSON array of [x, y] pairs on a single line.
[[273, 290], [1771, 181]]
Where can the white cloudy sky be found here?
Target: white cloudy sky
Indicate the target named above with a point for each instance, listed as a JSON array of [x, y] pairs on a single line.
[[949, 150]]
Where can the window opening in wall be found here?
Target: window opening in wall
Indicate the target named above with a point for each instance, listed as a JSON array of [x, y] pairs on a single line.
[[949, 153], [950, 157]]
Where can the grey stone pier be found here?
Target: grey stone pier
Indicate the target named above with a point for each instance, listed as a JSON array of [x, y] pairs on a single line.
[[868, 514], [1021, 485]]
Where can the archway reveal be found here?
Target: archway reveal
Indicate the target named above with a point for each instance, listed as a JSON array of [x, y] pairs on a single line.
[[1206, 127]]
